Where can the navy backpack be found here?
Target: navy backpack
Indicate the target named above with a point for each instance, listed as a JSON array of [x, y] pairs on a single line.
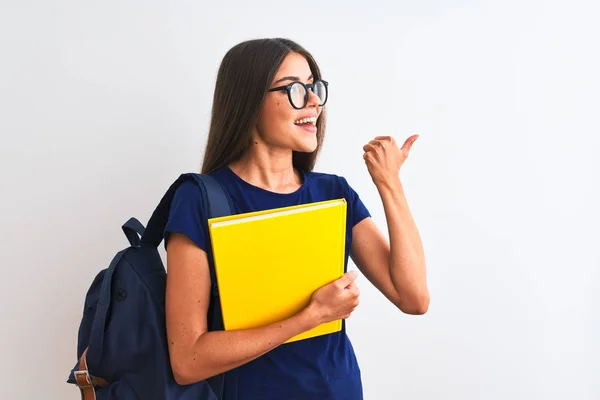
[[122, 348]]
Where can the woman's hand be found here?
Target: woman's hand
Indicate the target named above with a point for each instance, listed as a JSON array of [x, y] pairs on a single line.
[[335, 300], [384, 158]]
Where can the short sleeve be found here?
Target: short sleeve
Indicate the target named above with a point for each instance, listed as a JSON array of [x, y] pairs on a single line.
[[186, 216], [358, 210]]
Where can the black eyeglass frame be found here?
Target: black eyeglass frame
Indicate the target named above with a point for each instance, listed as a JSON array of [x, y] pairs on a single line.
[[307, 86]]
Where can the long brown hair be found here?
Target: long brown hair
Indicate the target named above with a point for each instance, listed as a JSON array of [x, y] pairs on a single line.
[[244, 76]]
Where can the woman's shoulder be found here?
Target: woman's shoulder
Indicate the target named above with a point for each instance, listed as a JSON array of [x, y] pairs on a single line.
[[336, 186], [189, 190], [328, 180]]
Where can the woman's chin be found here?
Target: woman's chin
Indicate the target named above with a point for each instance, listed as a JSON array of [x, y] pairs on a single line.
[[306, 146]]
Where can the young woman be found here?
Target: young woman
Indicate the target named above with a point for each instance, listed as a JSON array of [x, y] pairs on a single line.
[[268, 123]]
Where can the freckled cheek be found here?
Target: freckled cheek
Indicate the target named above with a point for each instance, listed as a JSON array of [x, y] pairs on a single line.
[[284, 115], [278, 114]]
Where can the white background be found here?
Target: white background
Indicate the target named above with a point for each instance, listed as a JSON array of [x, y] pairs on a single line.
[[103, 104]]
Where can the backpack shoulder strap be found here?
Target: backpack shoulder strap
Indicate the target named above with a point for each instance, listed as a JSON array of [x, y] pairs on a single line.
[[216, 201]]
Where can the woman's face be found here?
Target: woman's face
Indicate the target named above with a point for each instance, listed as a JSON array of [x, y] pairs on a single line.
[[282, 126]]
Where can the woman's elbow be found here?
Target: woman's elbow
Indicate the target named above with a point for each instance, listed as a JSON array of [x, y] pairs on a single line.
[[181, 367], [417, 304], [181, 372], [181, 379], [187, 377], [187, 372]]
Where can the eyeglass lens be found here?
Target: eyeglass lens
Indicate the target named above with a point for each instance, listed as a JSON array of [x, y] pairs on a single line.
[[298, 93]]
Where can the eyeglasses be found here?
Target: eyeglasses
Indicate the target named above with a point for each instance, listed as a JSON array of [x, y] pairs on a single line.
[[298, 92]]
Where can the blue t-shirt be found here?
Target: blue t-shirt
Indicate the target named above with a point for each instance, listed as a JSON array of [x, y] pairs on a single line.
[[324, 367]]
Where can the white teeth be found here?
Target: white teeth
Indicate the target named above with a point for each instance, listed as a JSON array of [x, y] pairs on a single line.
[[311, 120]]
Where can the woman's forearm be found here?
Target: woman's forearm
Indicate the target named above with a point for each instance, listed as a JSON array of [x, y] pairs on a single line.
[[407, 260], [219, 351]]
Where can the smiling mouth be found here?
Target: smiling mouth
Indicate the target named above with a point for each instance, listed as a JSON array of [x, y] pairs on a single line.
[[306, 122]]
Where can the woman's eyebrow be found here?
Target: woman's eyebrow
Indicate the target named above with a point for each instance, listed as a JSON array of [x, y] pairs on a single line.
[[291, 78]]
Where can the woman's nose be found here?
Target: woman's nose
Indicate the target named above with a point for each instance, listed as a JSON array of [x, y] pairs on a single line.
[[313, 99]]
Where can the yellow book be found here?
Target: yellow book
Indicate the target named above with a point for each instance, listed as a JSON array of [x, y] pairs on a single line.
[[269, 263]]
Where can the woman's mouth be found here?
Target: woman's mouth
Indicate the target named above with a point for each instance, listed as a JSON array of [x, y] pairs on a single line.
[[307, 124]]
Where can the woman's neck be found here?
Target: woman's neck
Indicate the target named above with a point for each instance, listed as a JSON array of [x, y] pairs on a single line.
[[274, 173]]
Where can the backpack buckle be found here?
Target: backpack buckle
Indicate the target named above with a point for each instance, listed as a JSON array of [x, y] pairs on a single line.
[[84, 379]]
